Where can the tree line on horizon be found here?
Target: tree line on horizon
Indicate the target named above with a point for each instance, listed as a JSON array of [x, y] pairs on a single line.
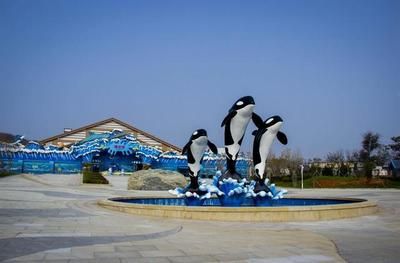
[[359, 162]]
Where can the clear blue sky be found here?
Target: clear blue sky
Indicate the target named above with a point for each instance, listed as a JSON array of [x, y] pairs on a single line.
[[331, 69]]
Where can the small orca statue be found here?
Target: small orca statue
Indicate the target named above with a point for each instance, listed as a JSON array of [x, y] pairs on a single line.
[[194, 150], [264, 136], [235, 127]]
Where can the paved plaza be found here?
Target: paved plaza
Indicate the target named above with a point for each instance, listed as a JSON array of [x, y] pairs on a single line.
[[54, 220]]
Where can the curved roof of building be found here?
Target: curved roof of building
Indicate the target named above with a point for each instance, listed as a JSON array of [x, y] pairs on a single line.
[[142, 136]]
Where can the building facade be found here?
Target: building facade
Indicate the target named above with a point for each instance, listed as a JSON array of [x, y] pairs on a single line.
[[72, 136], [109, 144]]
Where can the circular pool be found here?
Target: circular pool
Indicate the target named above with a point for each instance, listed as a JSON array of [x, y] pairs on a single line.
[[281, 210]]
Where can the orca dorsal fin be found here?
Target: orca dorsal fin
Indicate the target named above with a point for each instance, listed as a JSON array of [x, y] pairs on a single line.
[[212, 147], [282, 138], [257, 120], [186, 147], [230, 115]]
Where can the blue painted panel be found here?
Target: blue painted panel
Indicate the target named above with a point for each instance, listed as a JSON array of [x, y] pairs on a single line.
[[16, 166], [71, 167], [12, 166], [117, 162], [38, 167]]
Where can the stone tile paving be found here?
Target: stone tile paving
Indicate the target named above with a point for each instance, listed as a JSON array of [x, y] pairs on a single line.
[[373, 238], [57, 212], [44, 223]]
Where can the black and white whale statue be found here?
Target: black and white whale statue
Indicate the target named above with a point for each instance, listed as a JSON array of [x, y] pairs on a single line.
[[235, 127], [194, 150], [264, 136]]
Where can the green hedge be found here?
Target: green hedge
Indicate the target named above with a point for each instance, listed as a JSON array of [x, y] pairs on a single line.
[[4, 173], [339, 182], [92, 177]]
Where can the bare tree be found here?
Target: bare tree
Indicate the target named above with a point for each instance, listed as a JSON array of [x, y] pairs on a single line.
[[287, 161], [335, 157], [370, 144], [292, 161], [352, 156], [316, 160], [395, 147]]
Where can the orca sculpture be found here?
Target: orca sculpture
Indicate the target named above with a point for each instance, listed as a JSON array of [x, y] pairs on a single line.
[[194, 150], [264, 136], [235, 127]]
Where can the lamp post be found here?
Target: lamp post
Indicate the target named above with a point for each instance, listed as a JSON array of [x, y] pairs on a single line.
[[301, 172]]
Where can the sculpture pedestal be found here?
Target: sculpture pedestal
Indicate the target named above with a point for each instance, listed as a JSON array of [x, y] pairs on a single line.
[[230, 175], [234, 194]]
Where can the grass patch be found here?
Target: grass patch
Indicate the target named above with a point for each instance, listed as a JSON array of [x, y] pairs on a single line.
[[339, 182]]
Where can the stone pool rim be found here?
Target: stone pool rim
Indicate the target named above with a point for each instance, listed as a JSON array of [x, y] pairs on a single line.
[[360, 207]]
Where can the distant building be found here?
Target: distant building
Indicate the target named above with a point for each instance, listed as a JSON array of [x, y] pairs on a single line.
[[353, 166], [380, 171], [106, 145], [323, 164]]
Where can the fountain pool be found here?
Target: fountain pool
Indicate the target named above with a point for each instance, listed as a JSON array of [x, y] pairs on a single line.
[[280, 210]]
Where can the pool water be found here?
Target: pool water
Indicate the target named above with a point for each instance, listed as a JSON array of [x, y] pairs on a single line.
[[247, 203]]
